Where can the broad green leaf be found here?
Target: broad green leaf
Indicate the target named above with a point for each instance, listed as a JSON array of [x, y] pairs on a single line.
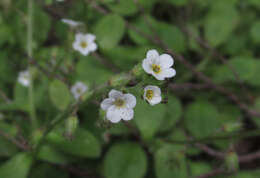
[[42, 25], [221, 20], [16, 167], [173, 113], [90, 70], [125, 160], [7, 148], [21, 97], [245, 67], [202, 119], [257, 107], [149, 118], [126, 57], [178, 2], [59, 94], [168, 33], [254, 32], [170, 162], [198, 168], [48, 171], [109, 31], [123, 7], [83, 144], [50, 154], [254, 3]]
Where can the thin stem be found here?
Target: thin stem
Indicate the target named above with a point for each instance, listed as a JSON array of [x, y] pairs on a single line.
[[235, 135], [61, 117], [30, 54]]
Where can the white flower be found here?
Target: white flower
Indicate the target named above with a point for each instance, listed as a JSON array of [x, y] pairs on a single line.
[[158, 65], [71, 23], [85, 43], [78, 89], [119, 106], [24, 78], [152, 94]]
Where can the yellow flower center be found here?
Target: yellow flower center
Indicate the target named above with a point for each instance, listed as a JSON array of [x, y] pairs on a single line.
[[83, 44], [149, 94], [79, 90], [156, 68], [119, 102]]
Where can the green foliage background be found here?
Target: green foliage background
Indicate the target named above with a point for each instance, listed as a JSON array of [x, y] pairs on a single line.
[[219, 38]]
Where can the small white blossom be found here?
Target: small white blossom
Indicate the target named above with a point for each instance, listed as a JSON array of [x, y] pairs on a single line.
[[152, 94], [85, 43], [119, 106], [158, 65], [78, 89], [24, 78], [71, 23]]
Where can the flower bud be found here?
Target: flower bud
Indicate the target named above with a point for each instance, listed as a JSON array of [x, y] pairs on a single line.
[[36, 137], [119, 80], [71, 126], [232, 161]]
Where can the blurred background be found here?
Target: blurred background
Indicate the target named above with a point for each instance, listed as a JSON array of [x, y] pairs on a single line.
[[206, 126]]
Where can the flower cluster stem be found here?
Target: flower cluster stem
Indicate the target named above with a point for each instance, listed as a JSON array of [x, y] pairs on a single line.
[[30, 54]]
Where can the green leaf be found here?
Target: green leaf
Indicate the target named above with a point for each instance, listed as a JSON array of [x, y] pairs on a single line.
[[245, 67], [59, 94], [202, 119], [168, 33], [170, 162], [16, 167], [42, 25], [149, 118], [50, 154], [198, 168], [221, 20], [88, 68], [173, 113], [178, 2], [123, 7], [126, 160], [254, 32], [21, 96], [84, 144], [126, 57], [109, 31], [7, 148], [48, 171], [257, 107]]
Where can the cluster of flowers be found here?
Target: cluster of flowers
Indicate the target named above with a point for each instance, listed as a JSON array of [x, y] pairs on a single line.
[[118, 105]]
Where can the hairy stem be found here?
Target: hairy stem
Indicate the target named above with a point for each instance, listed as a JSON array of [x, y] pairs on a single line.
[[30, 54]]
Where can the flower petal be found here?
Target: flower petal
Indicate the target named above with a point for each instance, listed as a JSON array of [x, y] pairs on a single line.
[[159, 76], [169, 73], [152, 54], [79, 36], [127, 114], [76, 45], [115, 94], [106, 103], [90, 37], [113, 114], [166, 60], [130, 100], [92, 47], [155, 100], [84, 51], [147, 65]]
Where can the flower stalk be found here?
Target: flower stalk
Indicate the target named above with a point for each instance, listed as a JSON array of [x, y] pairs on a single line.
[[30, 55]]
